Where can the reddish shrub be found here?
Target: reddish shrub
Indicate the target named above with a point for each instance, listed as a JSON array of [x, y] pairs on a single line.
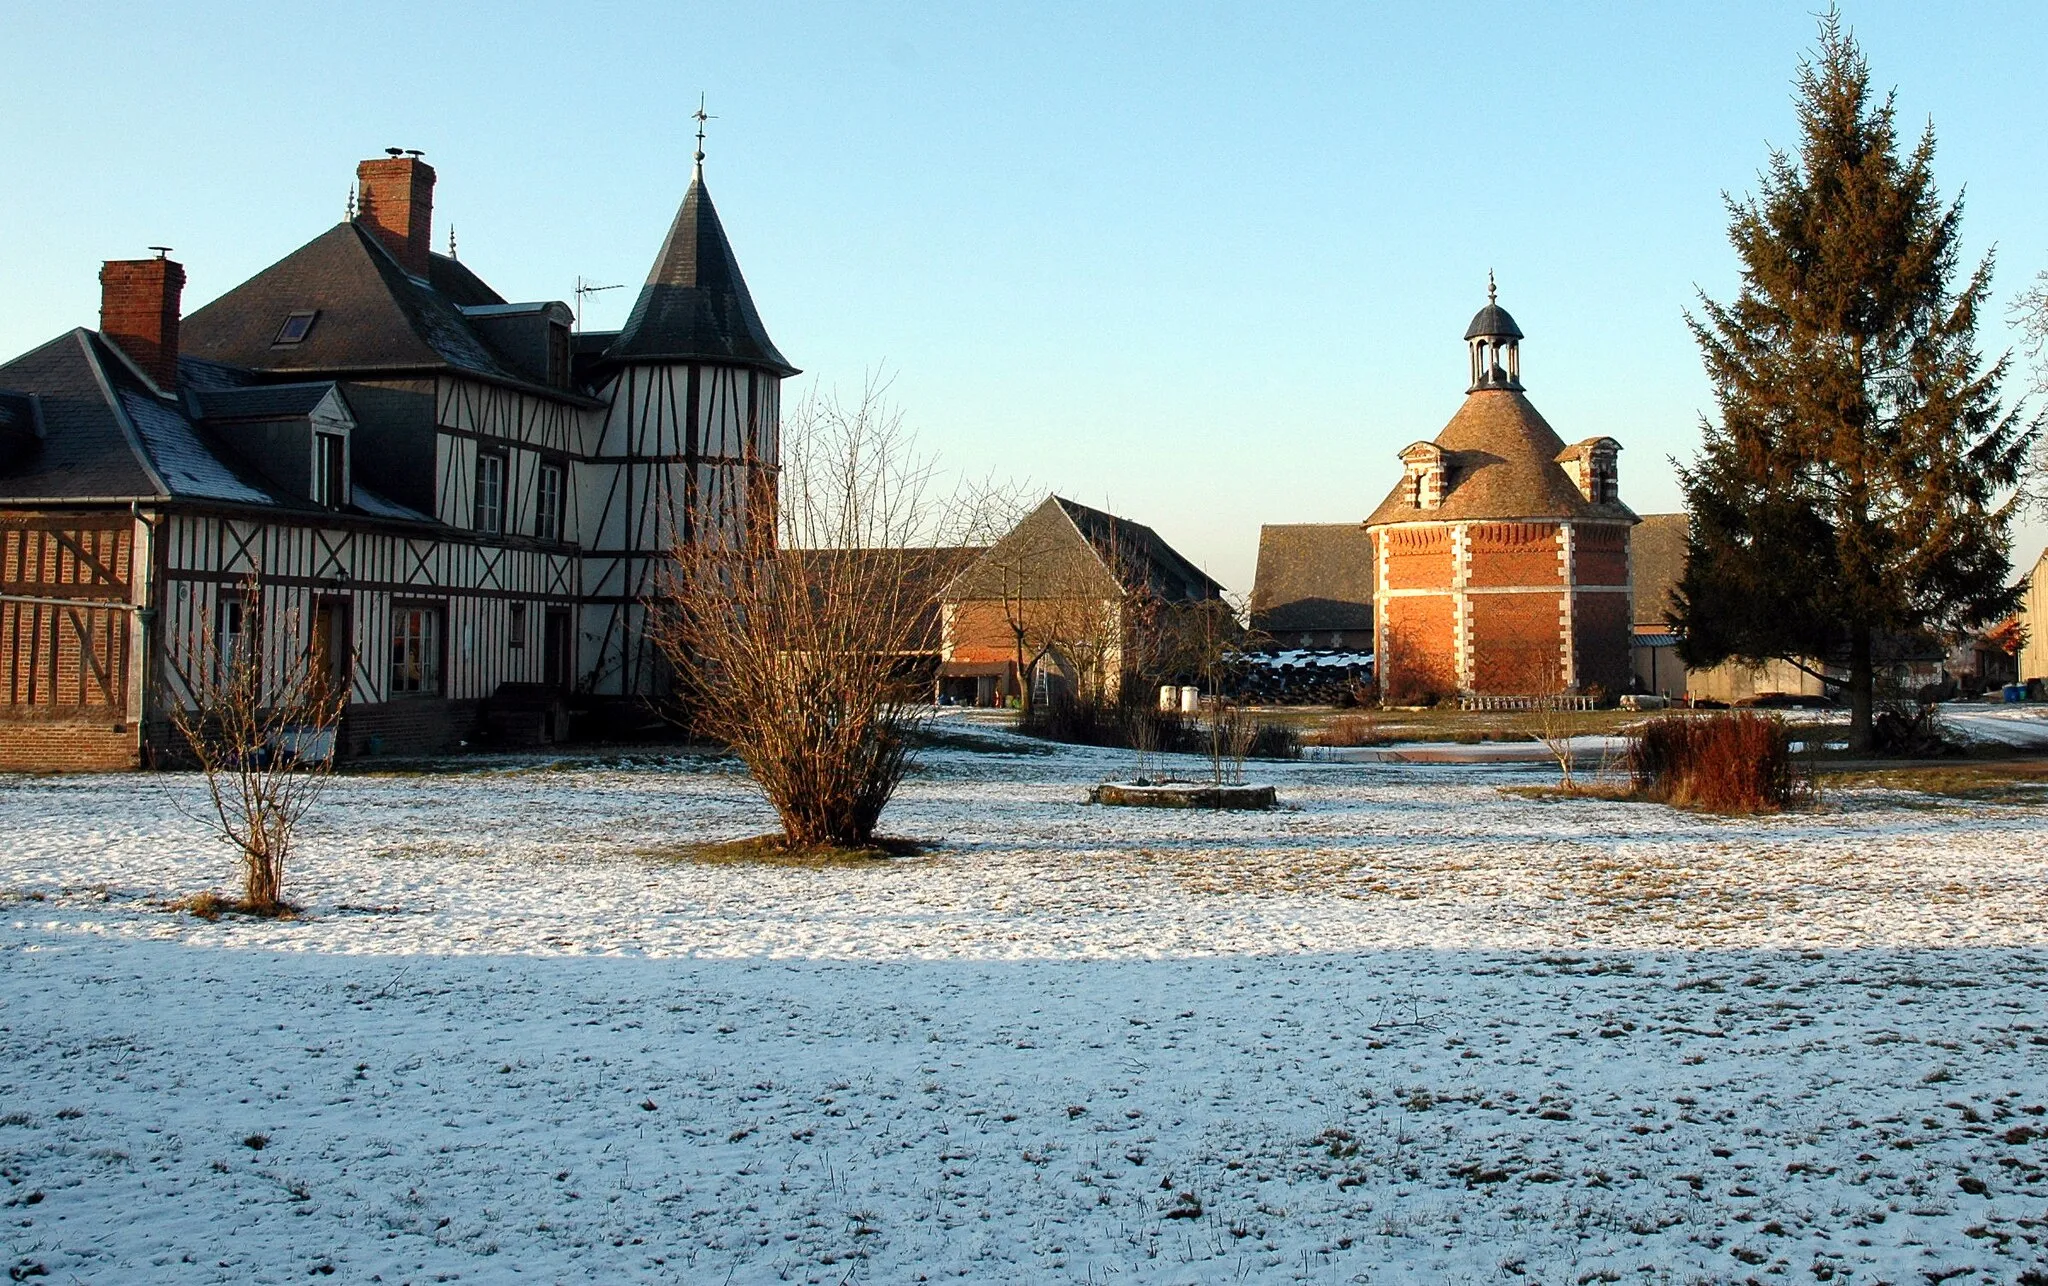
[[1726, 763]]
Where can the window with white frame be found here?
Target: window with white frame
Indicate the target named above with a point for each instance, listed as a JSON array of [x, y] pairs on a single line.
[[547, 515], [490, 492], [232, 635], [415, 650], [330, 470]]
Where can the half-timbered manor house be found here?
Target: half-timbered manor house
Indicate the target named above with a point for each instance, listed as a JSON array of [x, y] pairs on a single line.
[[1501, 557], [454, 498]]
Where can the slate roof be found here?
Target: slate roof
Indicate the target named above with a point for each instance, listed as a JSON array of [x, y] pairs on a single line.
[[260, 401], [1502, 459], [1142, 553], [1656, 551], [21, 426], [373, 316], [695, 305], [1062, 549], [86, 452], [109, 436], [1313, 577], [1493, 321]]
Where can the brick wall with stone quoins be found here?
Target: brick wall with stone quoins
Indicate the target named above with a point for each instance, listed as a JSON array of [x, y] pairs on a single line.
[[1517, 643], [1513, 553], [1601, 630], [1417, 557], [1600, 555], [1418, 650]]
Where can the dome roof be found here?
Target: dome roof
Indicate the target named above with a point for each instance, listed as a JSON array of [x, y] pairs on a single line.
[[1493, 321]]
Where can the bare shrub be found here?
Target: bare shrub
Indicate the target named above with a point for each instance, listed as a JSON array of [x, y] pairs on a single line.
[[263, 735], [788, 626], [1740, 762]]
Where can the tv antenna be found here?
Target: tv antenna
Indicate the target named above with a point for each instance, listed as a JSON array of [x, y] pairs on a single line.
[[589, 288]]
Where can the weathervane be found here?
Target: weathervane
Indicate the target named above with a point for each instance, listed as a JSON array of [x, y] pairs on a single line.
[[700, 117]]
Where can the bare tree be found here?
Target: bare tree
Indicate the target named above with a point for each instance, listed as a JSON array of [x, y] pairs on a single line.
[[791, 630], [263, 735], [1557, 722]]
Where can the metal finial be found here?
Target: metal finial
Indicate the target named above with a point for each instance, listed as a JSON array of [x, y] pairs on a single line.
[[451, 240], [1489, 285], [701, 116], [351, 202]]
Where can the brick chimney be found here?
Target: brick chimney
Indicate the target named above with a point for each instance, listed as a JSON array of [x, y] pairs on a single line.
[[395, 198], [139, 301]]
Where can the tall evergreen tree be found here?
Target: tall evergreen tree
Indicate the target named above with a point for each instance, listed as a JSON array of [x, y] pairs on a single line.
[[1859, 485]]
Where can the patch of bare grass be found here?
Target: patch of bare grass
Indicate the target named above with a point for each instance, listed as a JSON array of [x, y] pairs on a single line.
[[1612, 790], [1345, 730], [2019, 781], [774, 850], [211, 906]]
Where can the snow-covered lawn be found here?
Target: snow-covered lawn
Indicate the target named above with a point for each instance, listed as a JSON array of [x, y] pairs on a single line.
[[1411, 1028]]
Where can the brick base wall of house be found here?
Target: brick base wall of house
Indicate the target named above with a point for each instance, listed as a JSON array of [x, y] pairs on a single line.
[[417, 726], [56, 744]]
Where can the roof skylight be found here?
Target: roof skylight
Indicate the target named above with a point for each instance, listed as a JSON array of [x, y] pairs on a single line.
[[295, 327]]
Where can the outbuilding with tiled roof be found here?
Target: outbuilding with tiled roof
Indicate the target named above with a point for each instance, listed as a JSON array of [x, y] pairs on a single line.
[[1501, 557]]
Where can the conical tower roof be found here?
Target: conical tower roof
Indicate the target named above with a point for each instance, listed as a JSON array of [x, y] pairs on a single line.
[[695, 305]]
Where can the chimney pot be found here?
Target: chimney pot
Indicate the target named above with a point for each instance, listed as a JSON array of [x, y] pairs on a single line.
[[139, 306], [396, 200]]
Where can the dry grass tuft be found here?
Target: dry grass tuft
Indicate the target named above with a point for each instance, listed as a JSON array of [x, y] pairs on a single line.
[[1345, 730], [210, 906], [1739, 762]]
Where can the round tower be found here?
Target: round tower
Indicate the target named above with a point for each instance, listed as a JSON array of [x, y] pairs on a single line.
[[689, 447]]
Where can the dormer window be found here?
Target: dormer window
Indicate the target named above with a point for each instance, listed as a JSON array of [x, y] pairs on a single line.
[[1593, 468], [296, 327], [558, 354], [1427, 475], [330, 470]]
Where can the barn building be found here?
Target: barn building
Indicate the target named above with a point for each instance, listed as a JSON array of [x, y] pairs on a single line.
[[1501, 558], [1313, 587], [461, 503], [1065, 602]]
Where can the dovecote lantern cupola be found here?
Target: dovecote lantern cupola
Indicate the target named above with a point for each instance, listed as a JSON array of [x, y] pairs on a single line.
[[1496, 345]]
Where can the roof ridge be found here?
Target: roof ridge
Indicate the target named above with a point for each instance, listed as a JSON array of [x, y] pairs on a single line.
[[87, 345]]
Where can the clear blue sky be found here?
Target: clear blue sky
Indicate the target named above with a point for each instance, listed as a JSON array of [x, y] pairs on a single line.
[[1206, 265]]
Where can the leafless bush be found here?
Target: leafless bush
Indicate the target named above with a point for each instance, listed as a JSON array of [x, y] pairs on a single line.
[[266, 748], [1740, 762], [788, 627], [1556, 723]]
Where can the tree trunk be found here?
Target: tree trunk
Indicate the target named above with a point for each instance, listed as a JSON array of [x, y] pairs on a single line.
[[1862, 685]]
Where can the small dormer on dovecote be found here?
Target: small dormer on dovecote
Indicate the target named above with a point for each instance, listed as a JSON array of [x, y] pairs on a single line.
[[1428, 477], [1592, 466]]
